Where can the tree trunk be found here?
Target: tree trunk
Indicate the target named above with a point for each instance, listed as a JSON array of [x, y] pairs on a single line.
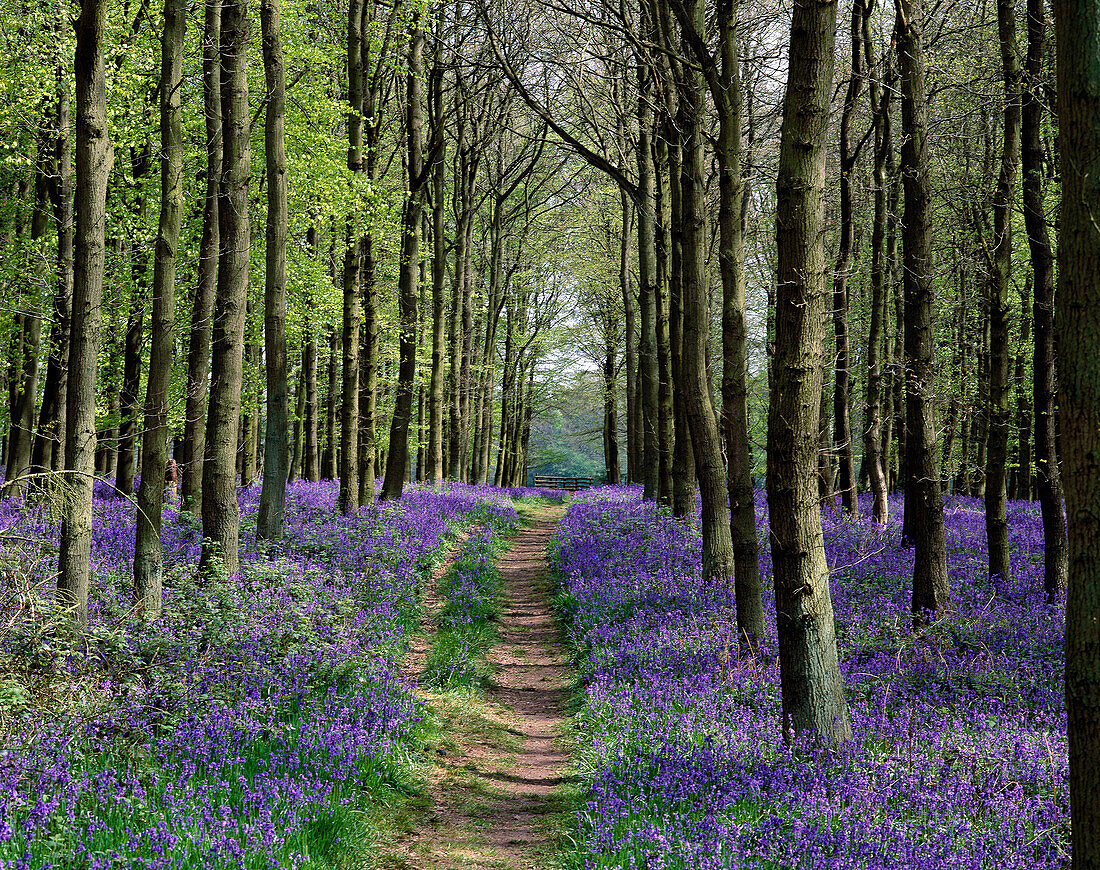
[[220, 519], [923, 496], [629, 339], [1048, 476], [1078, 341], [842, 423], [874, 456], [269, 520], [1000, 279], [349, 413], [49, 445], [439, 273], [647, 294], [329, 459], [717, 559], [148, 558], [94, 156], [1021, 475], [26, 341], [397, 453], [811, 686], [202, 312]]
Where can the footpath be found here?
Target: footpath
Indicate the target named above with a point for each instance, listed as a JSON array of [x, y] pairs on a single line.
[[500, 776]]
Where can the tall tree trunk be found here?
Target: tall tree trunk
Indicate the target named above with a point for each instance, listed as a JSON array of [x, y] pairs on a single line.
[[202, 311], [220, 518], [683, 458], [629, 340], [397, 454], [94, 156], [435, 456], [1048, 476], [130, 395], [269, 520], [311, 449], [1078, 338], [666, 263], [349, 414], [923, 496], [1000, 279], [874, 455], [368, 386], [842, 423], [49, 444], [735, 394], [710, 467], [148, 558], [811, 686], [647, 293]]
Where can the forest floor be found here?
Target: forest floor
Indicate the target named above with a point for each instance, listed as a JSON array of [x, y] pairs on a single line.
[[500, 778]]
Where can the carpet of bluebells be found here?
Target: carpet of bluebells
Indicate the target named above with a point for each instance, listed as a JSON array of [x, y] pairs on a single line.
[[465, 630], [959, 755], [254, 722]]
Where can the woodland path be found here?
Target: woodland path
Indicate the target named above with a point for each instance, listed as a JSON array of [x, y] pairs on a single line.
[[502, 772]]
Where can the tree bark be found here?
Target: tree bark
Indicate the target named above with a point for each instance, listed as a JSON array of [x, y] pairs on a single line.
[[329, 463], [1000, 279], [269, 520], [811, 686], [148, 557], [1078, 339], [647, 280], [923, 496], [397, 454], [1044, 389], [94, 156], [349, 413], [849, 154], [873, 452], [202, 311], [220, 518], [49, 444]]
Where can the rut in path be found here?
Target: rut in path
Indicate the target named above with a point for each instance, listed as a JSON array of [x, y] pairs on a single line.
[[494, 795]]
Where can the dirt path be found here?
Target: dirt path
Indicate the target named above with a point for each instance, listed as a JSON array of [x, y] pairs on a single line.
[[494, 793]]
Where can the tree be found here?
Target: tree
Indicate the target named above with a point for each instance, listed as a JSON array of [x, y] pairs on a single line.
[[1000, 277], [923, 496], [220, 518], [349, 414], [202, 311], [1049, 478], [397, 456], [1078, 334], [811, 685], [94, 156], [148, 561], [269, 521], [874, 452]]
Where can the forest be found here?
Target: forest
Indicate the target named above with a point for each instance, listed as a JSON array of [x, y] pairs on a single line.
[[549, 433]]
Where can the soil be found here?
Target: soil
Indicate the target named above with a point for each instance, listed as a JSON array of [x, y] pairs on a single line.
[[502, 776]]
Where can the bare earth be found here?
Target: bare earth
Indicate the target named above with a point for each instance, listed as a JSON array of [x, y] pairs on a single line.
[[496, 788]]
